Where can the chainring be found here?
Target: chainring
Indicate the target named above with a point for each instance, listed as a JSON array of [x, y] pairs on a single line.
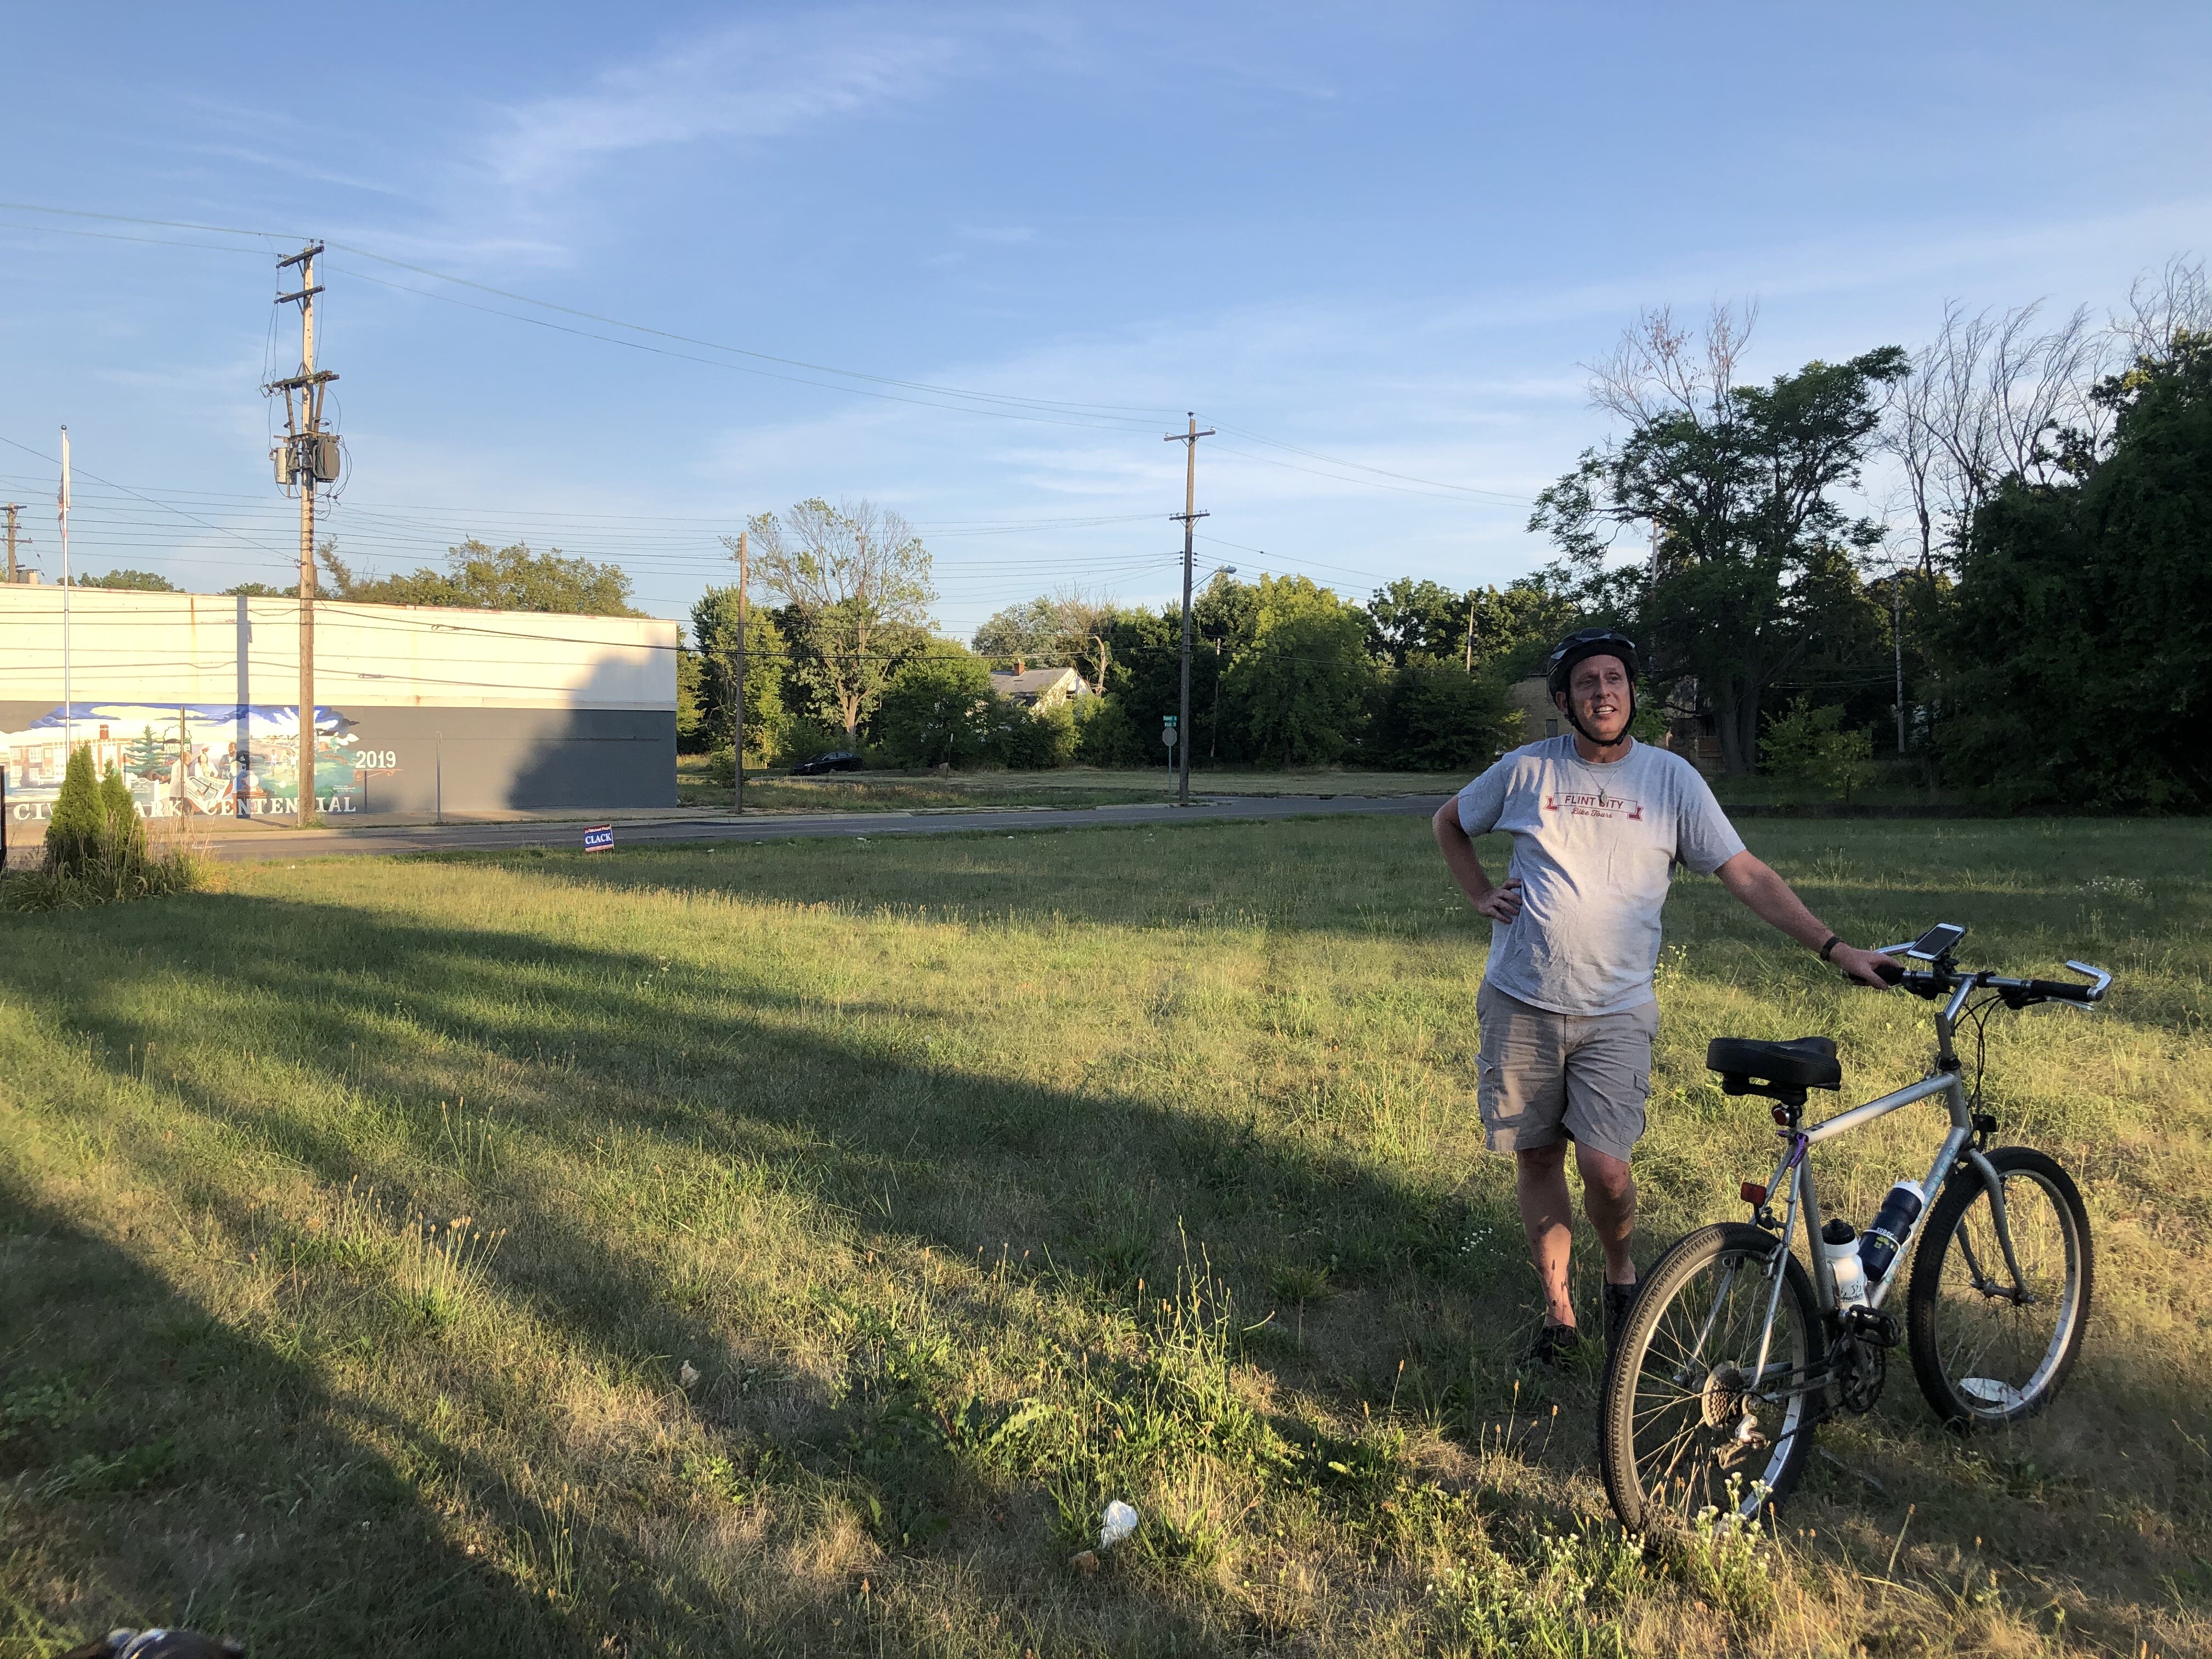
[[1858, 1369]]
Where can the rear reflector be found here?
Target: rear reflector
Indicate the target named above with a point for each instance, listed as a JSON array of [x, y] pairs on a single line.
[[1752, 1192]]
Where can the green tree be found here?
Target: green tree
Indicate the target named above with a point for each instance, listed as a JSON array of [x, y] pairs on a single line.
[[1409, 619], [1516, 626], [1438, 717], [132, 581], [854, 584], [710, 664], [1753, 563], [123, 831], [79, 822], [939, 707], [480, 577], [1301, 687], [2076, 660], [1812, 746], [1143, 683], [1032, 630]]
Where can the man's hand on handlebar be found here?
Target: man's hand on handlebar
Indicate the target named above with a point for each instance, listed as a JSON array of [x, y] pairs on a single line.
[[1867, 967]]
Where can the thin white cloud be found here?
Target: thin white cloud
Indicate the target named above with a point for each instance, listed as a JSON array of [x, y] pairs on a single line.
[[750, 81]]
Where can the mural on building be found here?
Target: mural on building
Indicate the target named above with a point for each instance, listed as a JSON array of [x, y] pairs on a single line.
[[185, 759]]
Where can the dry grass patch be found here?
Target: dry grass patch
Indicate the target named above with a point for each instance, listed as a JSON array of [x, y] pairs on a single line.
[[792, 1248]]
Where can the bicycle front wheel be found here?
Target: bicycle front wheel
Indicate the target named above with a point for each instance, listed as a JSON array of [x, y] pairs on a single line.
[[1692, 1421], [1988, 1349]]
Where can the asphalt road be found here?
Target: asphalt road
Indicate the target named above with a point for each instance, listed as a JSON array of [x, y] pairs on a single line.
[[275, 843]]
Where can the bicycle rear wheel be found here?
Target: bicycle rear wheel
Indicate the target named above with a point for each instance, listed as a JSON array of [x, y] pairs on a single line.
[[1984, 1352], [1685, 1427]]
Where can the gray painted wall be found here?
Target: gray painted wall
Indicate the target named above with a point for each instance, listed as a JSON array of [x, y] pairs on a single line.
[[491, 759]]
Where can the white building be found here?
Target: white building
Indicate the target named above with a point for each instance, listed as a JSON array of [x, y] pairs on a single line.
[[195, 698]]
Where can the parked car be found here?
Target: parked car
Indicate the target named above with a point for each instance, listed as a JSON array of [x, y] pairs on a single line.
[[838, 760]]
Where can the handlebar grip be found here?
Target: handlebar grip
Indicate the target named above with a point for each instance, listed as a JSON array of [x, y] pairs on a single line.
[[2060, 990], [1889, 972]]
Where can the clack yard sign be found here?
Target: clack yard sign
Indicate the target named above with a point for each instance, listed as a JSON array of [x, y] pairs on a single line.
[[599, 838]]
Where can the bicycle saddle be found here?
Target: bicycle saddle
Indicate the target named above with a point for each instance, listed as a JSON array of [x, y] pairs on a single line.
[[1748, 1067]]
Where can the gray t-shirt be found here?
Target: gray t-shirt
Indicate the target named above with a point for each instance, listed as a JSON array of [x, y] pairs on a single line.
[[1593, 846]]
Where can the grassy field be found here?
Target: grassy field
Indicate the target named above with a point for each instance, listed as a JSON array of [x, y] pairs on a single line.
[[789, 1248], [1067, 786]]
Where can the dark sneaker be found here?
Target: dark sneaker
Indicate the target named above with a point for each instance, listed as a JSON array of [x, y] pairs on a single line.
[[1553, 1343], [1619, 1299]]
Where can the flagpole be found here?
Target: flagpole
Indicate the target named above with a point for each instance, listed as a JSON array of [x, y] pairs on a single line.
[[69, 708]]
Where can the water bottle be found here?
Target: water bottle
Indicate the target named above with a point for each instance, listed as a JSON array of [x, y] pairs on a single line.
[[1839, 1246], [1892, 1224]]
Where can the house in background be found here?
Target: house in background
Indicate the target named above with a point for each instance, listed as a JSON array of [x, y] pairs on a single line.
[[1039, 689]]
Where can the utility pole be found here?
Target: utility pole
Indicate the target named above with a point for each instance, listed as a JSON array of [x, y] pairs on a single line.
[[62, 512], [309, 457], [12, 508], [1190, 516], [738, 716], [1470, 630]]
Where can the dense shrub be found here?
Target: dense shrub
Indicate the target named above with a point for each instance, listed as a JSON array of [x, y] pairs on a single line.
[[1032, 741], [97, 849], [1106, 736], [939, 708], [803, 739], [1438, 717], [1813, 746]]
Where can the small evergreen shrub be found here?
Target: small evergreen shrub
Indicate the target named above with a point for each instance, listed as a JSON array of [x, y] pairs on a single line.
[[97, 850]]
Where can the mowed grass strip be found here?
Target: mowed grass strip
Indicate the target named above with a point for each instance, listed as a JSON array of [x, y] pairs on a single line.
[[792, 1248]]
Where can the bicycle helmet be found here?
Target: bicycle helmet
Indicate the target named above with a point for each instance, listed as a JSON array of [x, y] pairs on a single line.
[[1591, 642]]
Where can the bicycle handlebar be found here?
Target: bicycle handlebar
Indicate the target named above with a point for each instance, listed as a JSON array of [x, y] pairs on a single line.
[[1935, 981]]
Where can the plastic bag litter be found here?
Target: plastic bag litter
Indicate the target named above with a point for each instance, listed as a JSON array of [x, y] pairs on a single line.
[[1121, 1521]]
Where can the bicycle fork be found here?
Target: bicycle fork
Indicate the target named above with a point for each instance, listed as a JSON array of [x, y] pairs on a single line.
[[1993, 1183]]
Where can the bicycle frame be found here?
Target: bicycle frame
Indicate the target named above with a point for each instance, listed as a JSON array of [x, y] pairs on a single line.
[[1795, 1169]]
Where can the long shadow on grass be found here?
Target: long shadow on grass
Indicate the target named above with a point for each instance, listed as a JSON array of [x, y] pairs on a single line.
[[848, 1120], [168, 1468]]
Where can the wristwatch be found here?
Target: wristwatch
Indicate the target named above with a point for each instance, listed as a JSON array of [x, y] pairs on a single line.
[[1834, 939]]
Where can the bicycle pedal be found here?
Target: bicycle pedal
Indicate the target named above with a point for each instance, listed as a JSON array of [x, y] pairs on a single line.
[[1871, 1325]]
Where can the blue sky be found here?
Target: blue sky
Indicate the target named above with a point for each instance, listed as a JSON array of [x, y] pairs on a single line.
[[1385, 235]]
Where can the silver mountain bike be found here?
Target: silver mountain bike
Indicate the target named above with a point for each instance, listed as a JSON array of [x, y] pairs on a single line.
[[1737, 1350]]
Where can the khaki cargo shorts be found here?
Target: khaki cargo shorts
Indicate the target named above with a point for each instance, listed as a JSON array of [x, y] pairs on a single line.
[[1545, 1075]]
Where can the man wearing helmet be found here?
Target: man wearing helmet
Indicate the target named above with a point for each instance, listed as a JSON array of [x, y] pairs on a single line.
[[1566, 1010]]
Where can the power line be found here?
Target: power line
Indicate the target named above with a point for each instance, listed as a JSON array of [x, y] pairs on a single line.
[[1001, 405], [1407, 477], [127, 491]]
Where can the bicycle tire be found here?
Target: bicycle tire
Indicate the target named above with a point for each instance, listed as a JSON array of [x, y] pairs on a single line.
[[1641, 1492], [2005, 1368]]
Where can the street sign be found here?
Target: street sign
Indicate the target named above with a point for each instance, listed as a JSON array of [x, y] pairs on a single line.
[[1169, 736], [599, 838]]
